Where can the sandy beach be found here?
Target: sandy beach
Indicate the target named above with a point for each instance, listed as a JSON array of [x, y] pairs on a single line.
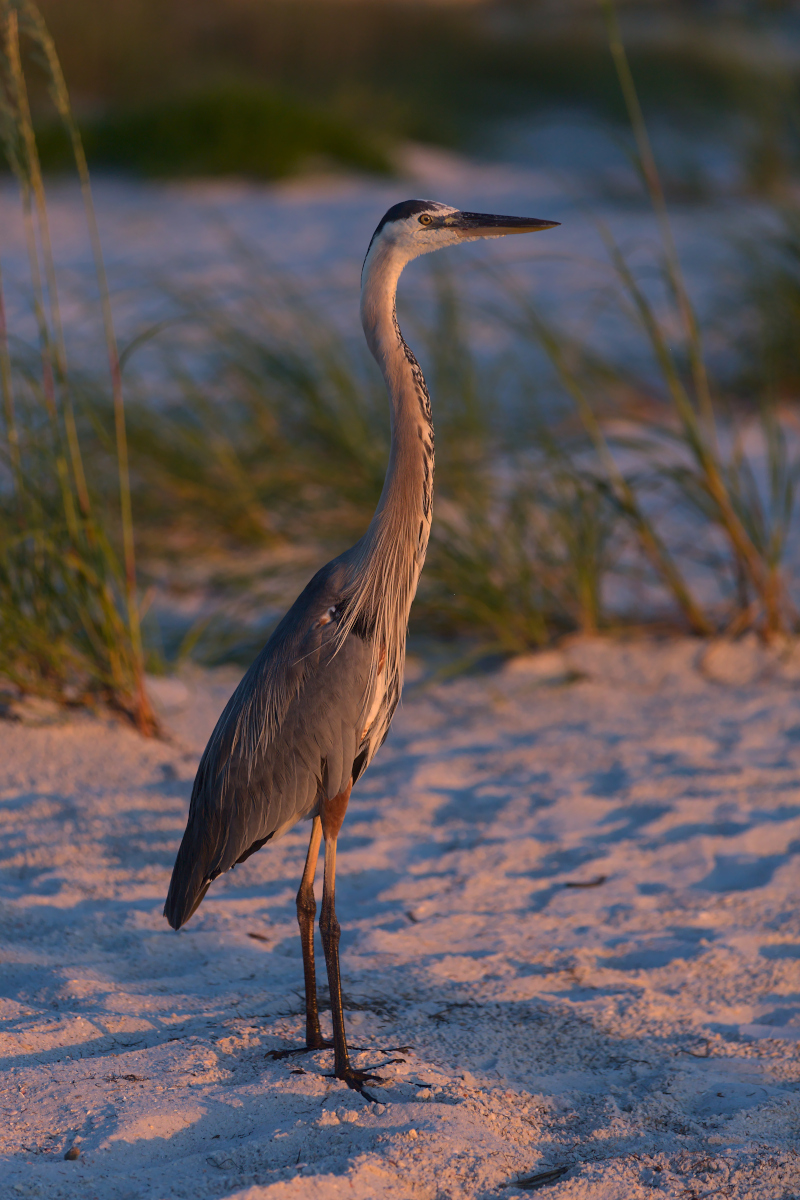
[[567, 889], [567, 884]]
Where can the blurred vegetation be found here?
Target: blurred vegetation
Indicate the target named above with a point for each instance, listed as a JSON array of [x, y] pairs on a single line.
[[268, 443], [773, 293], [276, 442], [231, 129], [152, 80], [69, 616], [279, 441]]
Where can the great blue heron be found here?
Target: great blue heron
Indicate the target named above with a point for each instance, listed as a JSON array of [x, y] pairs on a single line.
[[307, 718]]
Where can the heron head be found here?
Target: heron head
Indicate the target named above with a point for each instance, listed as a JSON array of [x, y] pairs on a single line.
[[416, 227]]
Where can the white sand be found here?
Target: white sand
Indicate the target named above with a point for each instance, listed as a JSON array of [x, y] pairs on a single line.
[[643, 1032]]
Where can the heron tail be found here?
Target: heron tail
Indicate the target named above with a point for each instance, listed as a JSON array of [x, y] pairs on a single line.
[[189, 884], [202, 857]]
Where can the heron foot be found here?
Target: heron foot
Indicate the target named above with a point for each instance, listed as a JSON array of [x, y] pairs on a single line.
[[356, 1079]]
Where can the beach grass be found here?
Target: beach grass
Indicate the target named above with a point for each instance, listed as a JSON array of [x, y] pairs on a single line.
[[269, 440], [69, 619], [278, 438], [773, 299], [754, 529]]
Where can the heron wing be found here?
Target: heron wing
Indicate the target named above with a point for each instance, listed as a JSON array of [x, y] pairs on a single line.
[[288, 735]]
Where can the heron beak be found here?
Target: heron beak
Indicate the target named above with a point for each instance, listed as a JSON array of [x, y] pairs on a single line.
[[482, 225]]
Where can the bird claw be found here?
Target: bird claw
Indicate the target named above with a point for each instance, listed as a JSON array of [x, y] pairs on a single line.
[[356, 1079]]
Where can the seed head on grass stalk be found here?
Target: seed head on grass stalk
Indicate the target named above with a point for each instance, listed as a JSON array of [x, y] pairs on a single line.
[[74, 594]]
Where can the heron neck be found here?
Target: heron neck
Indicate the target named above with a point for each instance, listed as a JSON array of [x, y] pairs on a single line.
[[405, 504]]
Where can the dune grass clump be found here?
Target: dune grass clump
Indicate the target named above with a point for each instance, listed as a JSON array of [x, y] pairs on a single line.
[[69, 622], [513, 567], [274, 432], [753, 526], [271, 435], [690, 446], [276, 440]]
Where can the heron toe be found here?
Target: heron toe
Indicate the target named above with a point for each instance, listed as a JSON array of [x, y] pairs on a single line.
[[356, 1079]]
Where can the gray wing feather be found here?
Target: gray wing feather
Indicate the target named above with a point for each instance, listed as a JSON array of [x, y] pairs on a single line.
[[289, 733]]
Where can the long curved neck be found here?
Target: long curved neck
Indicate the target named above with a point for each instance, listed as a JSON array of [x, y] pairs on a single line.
[[405, 506], [386, 563]]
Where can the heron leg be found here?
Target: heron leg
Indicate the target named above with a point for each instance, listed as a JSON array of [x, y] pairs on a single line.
[[332, 817], [306, 912], [330, 930]]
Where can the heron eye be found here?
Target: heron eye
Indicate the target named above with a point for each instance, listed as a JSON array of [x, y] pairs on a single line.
[[425, 219]]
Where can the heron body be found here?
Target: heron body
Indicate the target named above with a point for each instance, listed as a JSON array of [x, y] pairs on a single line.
[[311, 712]]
